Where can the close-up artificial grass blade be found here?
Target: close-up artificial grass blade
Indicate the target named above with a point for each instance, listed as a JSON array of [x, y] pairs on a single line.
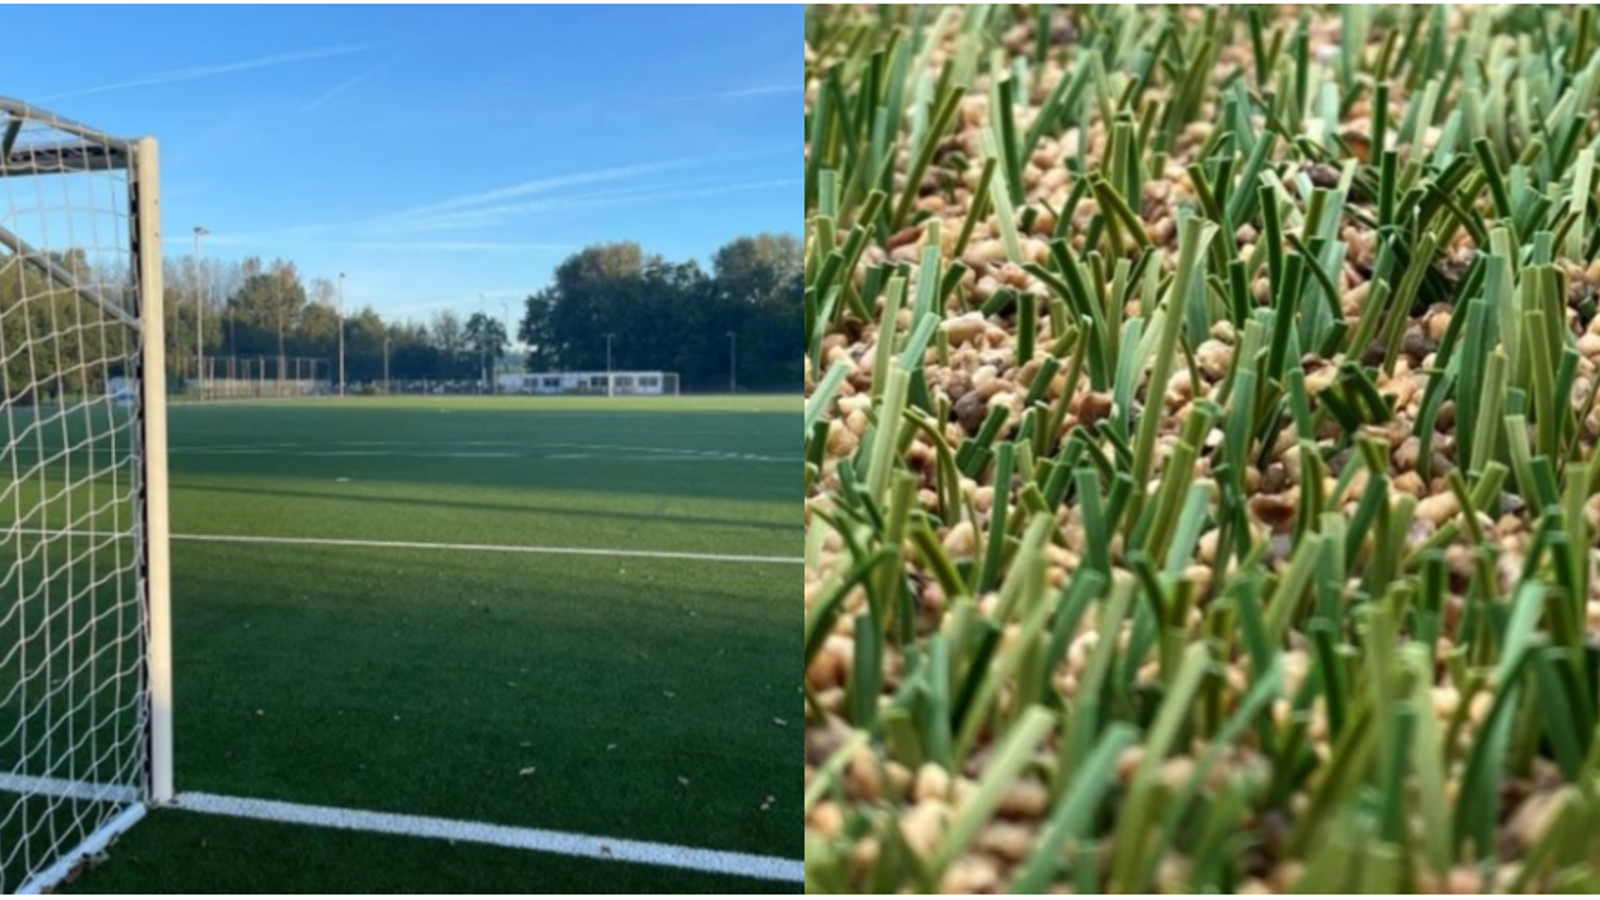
[[1202, 453]]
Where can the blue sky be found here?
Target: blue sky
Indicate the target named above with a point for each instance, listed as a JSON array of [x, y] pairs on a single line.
[[437, 153]]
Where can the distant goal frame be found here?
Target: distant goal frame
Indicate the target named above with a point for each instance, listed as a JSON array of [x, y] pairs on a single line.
[[131, 298]]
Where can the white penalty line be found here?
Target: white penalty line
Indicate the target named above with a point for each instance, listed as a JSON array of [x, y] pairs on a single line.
[[422, 545], [747, 865], [766, 868]]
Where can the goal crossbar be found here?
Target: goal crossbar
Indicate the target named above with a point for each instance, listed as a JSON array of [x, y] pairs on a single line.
[[62, 158], [18, 112]]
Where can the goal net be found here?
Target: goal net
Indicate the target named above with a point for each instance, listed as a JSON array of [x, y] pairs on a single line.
[[84, 685]]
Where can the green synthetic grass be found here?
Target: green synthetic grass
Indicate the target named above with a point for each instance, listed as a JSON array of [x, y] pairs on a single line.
[[647, 475], [641, 699], [427, 683], [1228, 485]]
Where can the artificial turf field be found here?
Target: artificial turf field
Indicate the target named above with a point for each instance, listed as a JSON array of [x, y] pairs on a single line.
[[629, 697]]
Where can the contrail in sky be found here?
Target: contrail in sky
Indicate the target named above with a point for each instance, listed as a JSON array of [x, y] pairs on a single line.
[[744, 92], [352, 82], [195, 74]]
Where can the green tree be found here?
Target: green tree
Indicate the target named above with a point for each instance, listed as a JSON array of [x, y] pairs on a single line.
[[412, 357], [673, 316], [364, 334], [565, 324], [486, 341], [450, 342], [317, 331], [760, 281], [266, 308], [758, 269], [54, 340]]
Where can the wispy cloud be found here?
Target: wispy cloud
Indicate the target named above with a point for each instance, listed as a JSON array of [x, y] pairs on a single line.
[[304, 237], [346, 85], [407, 220], [451, 246], [465, 216], [499, 215], [413, 229], [197, 73], [544, 185], [738, 93]]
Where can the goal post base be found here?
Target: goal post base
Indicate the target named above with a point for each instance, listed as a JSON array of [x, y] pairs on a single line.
[[46, 881]]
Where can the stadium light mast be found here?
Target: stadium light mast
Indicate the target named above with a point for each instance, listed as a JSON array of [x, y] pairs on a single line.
[[483, 346], [200, 231], [611, 380], [733, 362], [505, 307], [341, 334], [277, 300], [386, 361]]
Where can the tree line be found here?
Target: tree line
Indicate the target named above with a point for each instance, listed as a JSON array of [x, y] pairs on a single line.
[[674, 316], [660, 314], [252, 309]]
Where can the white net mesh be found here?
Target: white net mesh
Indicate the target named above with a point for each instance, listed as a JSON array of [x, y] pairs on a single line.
[[73, 680]]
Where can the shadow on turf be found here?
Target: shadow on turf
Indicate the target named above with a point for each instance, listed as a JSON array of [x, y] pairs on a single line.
[[625, 515], [667, 477]]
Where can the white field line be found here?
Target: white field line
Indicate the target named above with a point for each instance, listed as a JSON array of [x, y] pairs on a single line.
[[766, 868], [466, 548], [441, 450]]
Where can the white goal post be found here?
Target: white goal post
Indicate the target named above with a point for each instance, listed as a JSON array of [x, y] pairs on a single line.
[[85, 647]]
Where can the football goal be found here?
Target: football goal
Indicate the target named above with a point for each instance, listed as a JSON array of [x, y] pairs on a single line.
[[85, 683]]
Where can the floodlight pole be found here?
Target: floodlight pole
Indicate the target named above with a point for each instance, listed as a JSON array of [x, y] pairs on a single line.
[[483, 347], [200, 231], [611, 380], [341, 334], [733, 362], [283, 362], [386, 363], [153, 390], [505, 307]]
